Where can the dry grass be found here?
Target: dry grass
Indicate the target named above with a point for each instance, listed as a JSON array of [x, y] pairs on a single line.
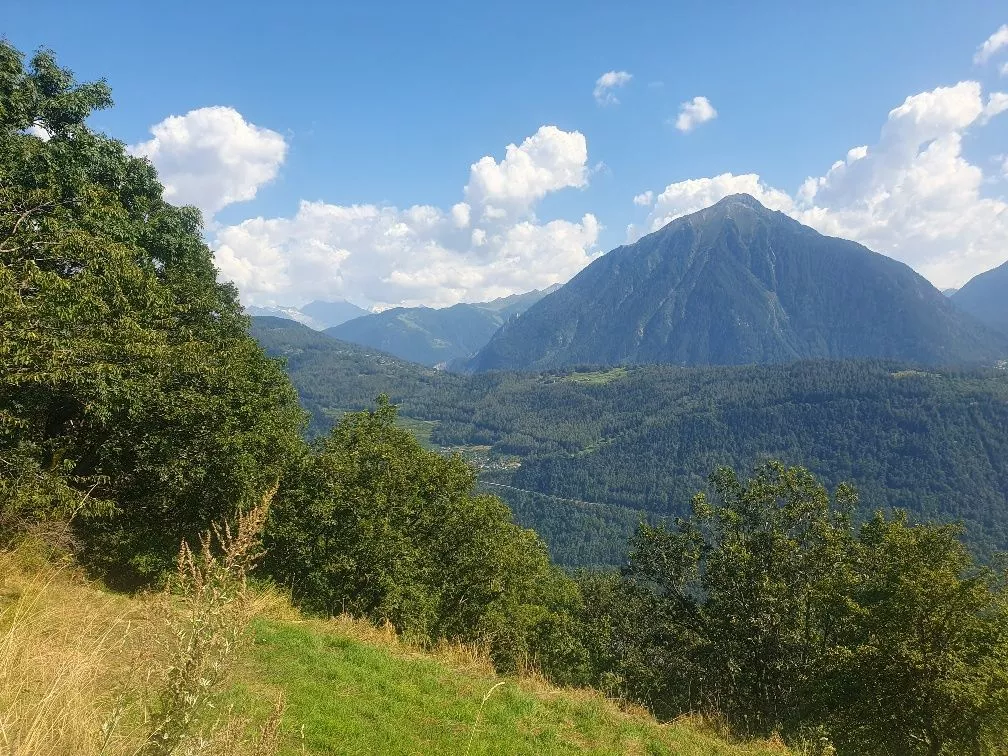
[[83, 671], [80, 669], [68, 659]]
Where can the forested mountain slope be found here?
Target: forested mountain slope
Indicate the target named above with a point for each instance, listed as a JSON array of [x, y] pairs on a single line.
[[334, 376], [986, 297], [643, 439], [734, 284], [435, 336]]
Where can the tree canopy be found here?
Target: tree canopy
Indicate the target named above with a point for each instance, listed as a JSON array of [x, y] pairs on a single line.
[[130, 382]]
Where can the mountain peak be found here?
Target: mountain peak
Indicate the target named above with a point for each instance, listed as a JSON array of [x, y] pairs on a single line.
[[740, 283], [743, 199]]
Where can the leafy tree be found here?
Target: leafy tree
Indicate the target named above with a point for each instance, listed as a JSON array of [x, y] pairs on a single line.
[[745, 589], [922, 665], [128, 370], [374, 525]]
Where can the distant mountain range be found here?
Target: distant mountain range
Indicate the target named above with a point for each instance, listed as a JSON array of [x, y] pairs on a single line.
[[318, 314], [986, 297], [737, 283], [435, 337]]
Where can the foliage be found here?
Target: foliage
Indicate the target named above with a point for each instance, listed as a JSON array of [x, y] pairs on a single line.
[[374, 525], [129, 375], [921, 664], [748, 584], [766, 606]]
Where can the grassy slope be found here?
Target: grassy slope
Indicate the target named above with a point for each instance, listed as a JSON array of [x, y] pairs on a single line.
[[355, 690], [72, 656]]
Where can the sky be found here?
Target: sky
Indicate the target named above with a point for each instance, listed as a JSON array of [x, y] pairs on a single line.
[[430, 153]]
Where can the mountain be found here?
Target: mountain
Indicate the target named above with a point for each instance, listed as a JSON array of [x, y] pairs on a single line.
[[435, 336], [985, 297], [318, 314], [334, 376], [737, 283], [329, 314]]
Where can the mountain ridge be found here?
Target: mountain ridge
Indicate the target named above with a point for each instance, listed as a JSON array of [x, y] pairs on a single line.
[[736, 283], [436, 337], [317, 314], [985, 297]]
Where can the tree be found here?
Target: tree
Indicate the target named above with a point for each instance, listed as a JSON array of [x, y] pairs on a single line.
[[129, 374], [922, 667], [744, 591], [376, 526]]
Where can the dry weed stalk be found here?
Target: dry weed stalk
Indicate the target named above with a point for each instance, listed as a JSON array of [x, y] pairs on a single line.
[[206, 610]]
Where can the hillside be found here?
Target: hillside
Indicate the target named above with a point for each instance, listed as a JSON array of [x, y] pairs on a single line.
[[335, 376], [985, 297], [643, 439], [737, 283], [76, 661], [435, 336]]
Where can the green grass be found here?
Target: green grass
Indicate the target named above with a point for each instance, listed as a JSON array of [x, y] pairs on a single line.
[[422, 429], [596, 378], [354, 696]]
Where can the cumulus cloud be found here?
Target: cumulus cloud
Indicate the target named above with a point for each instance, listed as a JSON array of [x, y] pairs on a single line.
[[461, 213], [606, 83], [644, 199], [694, 112], [911, 195], [549, 160], [997, 103], [212, 157], [488, 246], [991, 45]]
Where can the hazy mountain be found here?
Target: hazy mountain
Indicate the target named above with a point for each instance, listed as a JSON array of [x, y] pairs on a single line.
[[317, 314], [435, 336], [986, 297], [737, 283]]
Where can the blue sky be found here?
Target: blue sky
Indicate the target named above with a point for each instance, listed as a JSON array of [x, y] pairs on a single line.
[[384, 107]]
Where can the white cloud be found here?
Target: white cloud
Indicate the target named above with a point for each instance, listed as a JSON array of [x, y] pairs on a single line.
[[548, 160], [38, 131], [991, 45], [912, 195], [382, 255], [606, 83], [644, 199], [997, 103], [212, 157], [1004, 69], [694, 112], [461, 214]]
